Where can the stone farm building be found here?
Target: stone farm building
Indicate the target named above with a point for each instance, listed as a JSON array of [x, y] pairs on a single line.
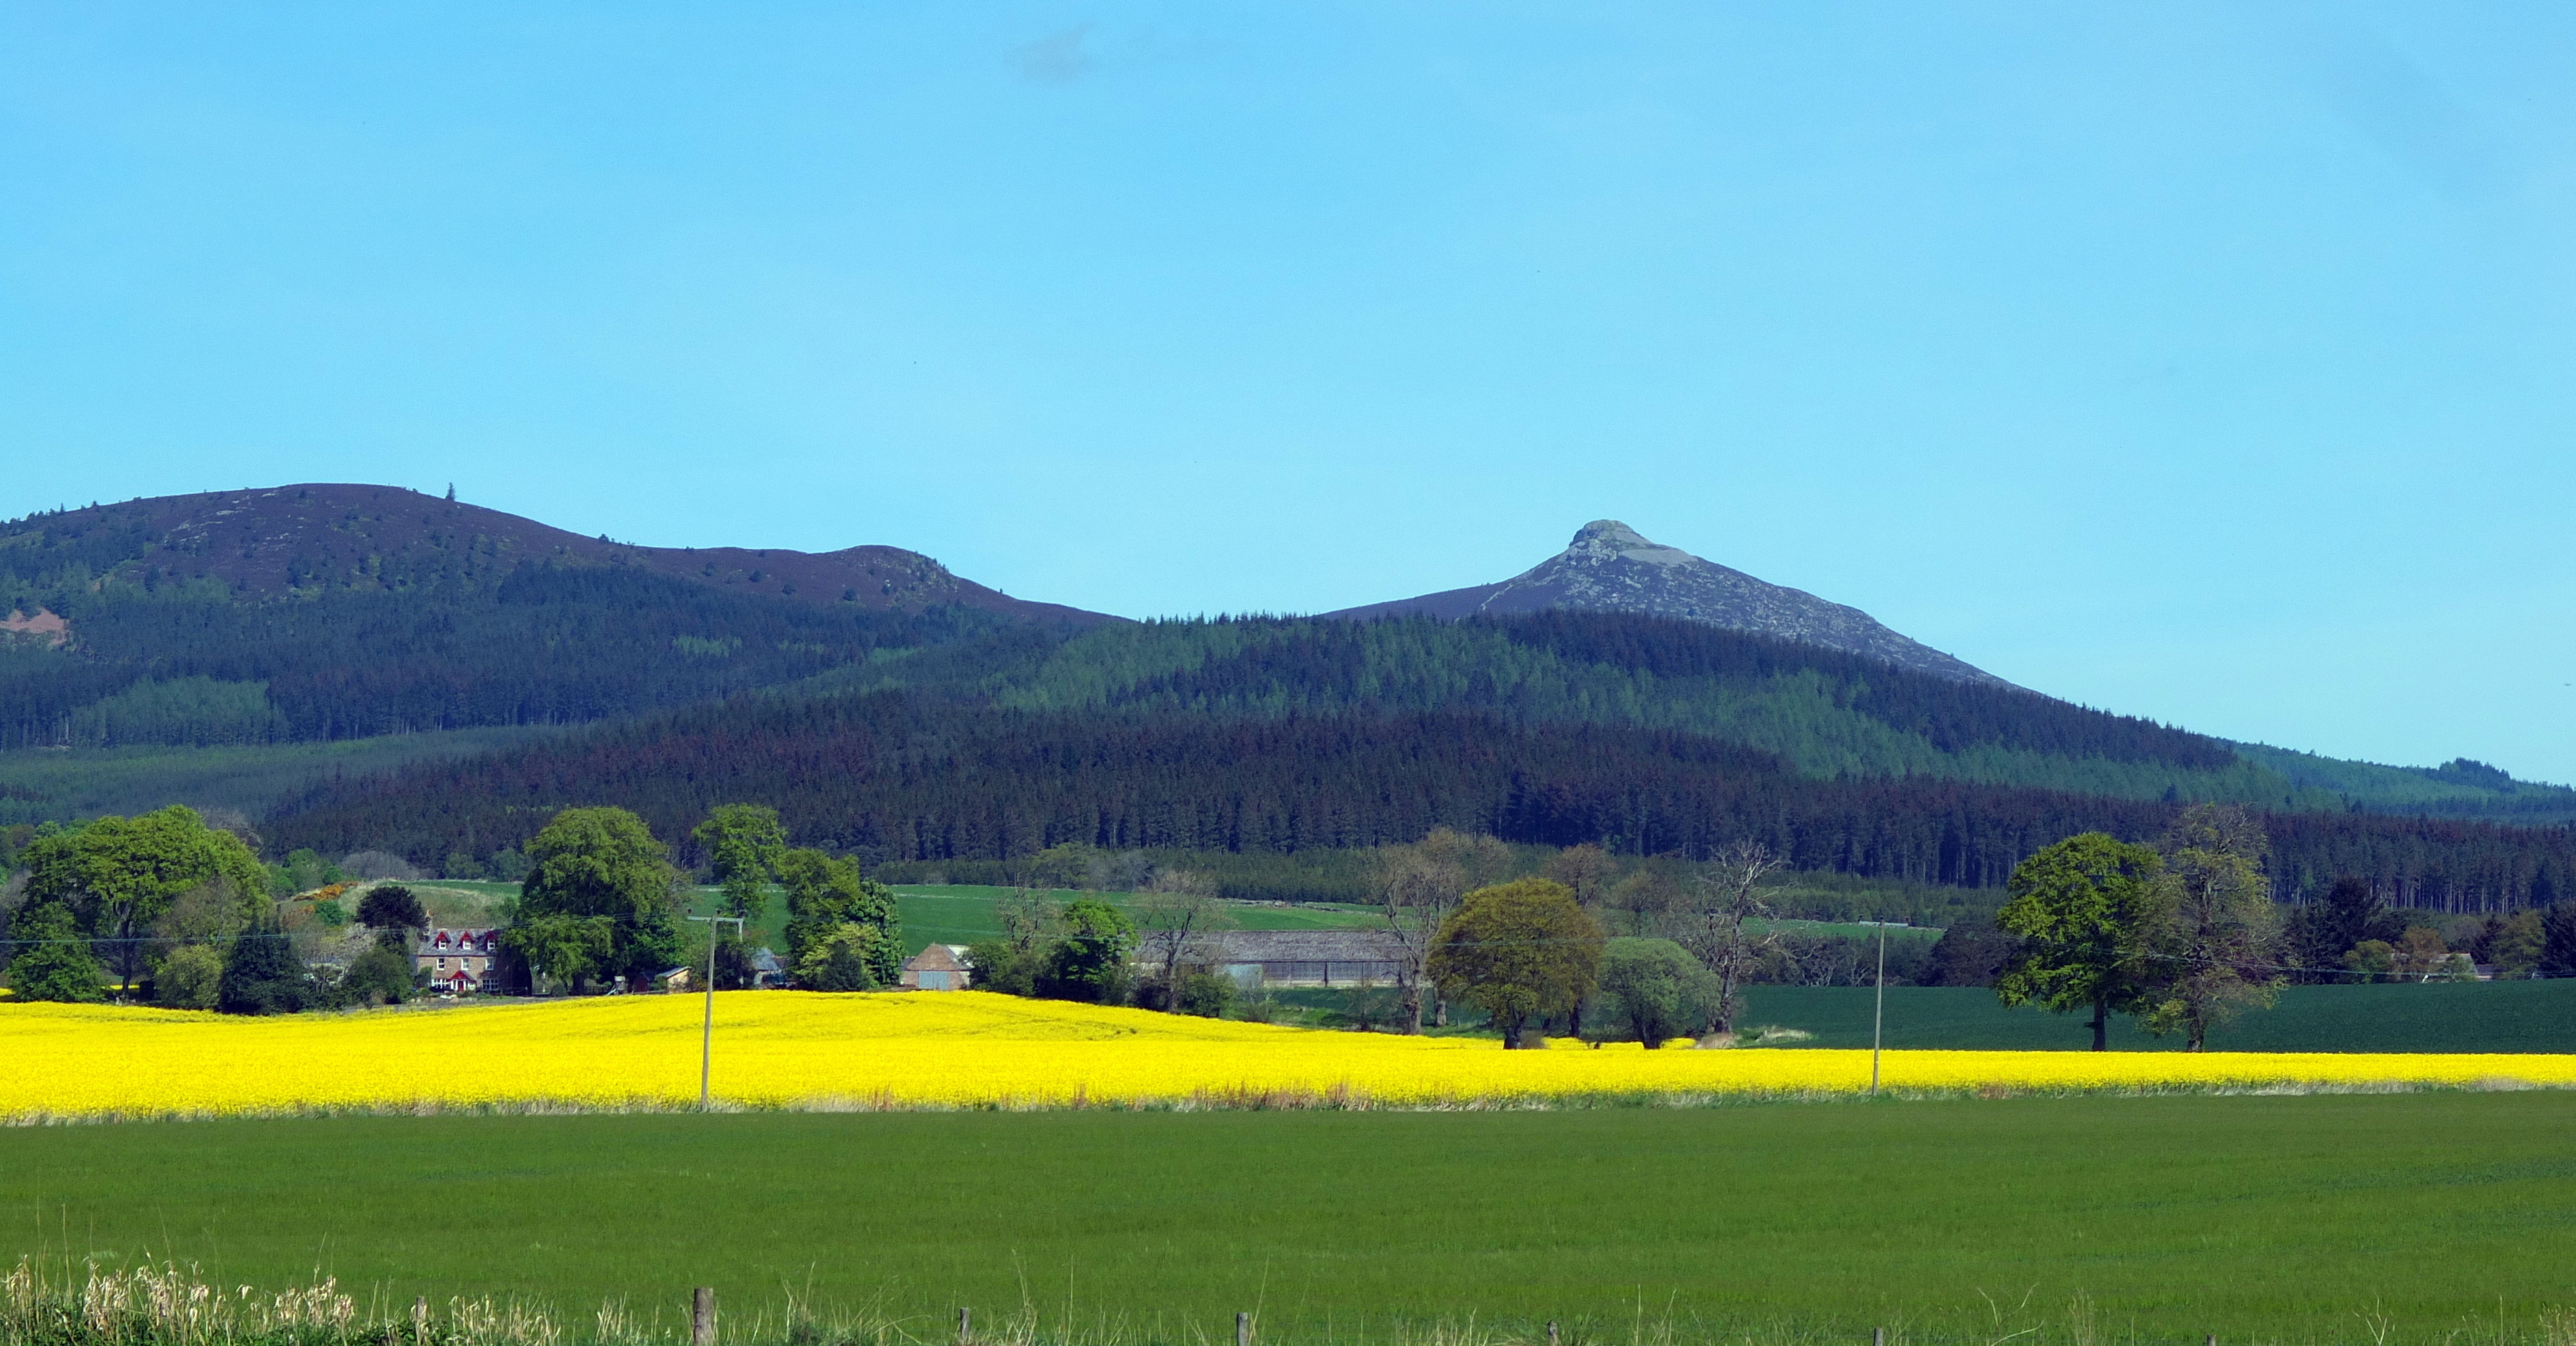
[[1288, 957], [940, 967], [457, 961]]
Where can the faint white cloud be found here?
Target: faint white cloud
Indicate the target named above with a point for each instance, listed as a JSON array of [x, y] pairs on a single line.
[[1057, 58], [2405, 112]]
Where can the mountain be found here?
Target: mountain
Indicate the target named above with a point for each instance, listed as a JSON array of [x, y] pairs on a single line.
[[300, 540], [1610, 567], [330, 612]]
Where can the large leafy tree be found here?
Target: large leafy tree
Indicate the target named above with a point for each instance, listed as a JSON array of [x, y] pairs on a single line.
[[826, 894], [118, 875], [744, 843], [2213, 934], [2079, 908], [1518, 951], [599, 900]]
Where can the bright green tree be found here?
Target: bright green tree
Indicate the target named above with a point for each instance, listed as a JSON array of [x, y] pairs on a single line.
[[118, 875], [599, 885], [2078, 907], [53, 961], [847, 957], [1518, 951], [824, 894], [743, 843], [1089, 960], [1661, 991]]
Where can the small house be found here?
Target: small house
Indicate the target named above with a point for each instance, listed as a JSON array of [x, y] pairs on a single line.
[[458, 961], [940, 967]]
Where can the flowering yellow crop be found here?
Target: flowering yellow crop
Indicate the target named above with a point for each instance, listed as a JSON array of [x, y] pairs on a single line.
[[969, 1049]]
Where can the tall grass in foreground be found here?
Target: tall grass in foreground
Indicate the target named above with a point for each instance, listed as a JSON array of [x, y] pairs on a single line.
[[62, 1304]]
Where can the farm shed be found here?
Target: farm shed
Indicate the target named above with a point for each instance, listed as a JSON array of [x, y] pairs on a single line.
[[940, 967], [1289, 957]]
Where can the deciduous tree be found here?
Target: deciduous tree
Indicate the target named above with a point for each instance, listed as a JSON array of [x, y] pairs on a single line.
[[826, 893], [1718, 930], [2079, 908], [1518, 951], [600, 865], [743, 843], [52, 961], [1661, 991], [2213, 936], [1089, 961], [118, 875], [1175, 919]]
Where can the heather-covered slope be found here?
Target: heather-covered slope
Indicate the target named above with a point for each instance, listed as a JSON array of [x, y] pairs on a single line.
[[335, 612], [321, 538]]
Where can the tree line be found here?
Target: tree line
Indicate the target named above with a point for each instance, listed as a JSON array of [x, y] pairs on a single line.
[[894, 776], [536, 644]]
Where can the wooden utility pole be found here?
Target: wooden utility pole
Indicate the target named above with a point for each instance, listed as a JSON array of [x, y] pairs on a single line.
[[1877, 1029], [707, 1037]]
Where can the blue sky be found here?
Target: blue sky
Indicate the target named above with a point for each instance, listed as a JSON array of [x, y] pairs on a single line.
[[2209, 362]]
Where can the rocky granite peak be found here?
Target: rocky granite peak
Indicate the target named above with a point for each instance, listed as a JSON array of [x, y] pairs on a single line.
[[1610, 567]]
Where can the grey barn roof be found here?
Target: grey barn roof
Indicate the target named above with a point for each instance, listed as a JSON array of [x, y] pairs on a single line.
[[1283, 946]]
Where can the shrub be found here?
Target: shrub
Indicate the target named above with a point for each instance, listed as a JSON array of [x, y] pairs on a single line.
[[189, 977], [53, 962], [380, 976], [844, 959], [1090, 962], [1205, 994], [1002, 967]]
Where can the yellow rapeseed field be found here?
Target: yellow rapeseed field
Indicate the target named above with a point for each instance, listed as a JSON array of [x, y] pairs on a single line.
[[973, 1050]]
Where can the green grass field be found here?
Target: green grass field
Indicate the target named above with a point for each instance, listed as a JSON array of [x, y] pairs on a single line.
[[2281, 1218], [2505, 1016], [86, 782]]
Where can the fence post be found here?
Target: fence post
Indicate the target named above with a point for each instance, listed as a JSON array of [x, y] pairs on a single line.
[[702, 1316], [1551, 1332], [965, 1326], [420, 1319], [1878, 1336], [1243, 1329]]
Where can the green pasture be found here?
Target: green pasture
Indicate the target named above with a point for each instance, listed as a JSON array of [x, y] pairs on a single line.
[[2503, 1016], [2273, 1218], [964, 913], [250, 778]]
